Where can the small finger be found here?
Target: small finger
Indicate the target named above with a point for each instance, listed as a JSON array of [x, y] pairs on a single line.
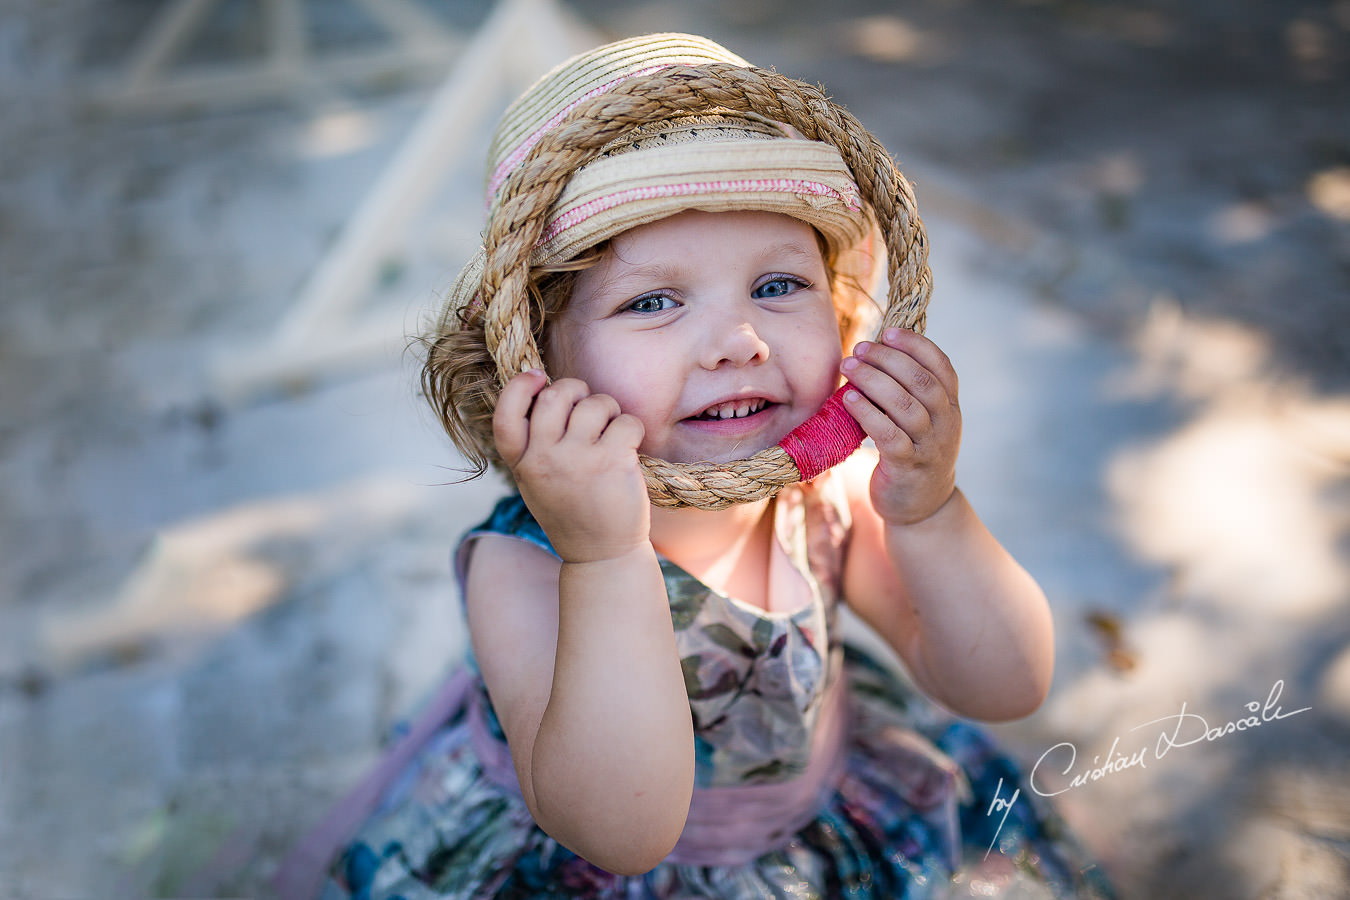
[[510, 420], [626, 431], [927, 354], [552, 409], [909, 372], [590, 416], [889, 437], [888, 395]]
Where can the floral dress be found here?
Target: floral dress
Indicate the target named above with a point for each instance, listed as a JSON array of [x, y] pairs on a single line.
[[819, 772]]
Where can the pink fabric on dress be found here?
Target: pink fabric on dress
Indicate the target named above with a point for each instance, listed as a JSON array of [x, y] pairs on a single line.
[[726, 825], [729, 826]]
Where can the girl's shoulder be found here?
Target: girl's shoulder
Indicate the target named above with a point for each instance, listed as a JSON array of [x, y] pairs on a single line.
[[512, 518], [508, 537]]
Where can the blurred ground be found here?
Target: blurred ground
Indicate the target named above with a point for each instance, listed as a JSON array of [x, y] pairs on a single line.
[[211, 612]]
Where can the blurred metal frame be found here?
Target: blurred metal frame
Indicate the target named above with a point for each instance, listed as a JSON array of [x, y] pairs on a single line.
[[420, 44], [321, 334]]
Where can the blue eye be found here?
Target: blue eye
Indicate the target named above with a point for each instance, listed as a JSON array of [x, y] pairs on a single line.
[[778, 286], [652, 303]]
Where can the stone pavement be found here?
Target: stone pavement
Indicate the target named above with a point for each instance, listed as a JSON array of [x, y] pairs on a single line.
[[210, 614]]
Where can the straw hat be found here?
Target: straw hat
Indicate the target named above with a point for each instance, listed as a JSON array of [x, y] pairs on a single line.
[[644, 128], [714, 162]]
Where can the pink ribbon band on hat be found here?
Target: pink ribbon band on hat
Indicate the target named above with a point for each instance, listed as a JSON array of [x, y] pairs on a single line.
[[797, 186]]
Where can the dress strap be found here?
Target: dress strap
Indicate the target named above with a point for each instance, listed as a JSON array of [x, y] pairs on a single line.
[[509, 518]]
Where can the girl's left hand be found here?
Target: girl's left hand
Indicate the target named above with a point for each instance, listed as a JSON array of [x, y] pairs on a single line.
[[906, 401]]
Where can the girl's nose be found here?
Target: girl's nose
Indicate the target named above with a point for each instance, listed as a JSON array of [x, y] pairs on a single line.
[[733, 344]]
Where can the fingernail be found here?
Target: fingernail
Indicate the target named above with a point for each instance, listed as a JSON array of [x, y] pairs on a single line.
[[851, 396], [861, 349], [849, 364], [534, 371], [892, 335]]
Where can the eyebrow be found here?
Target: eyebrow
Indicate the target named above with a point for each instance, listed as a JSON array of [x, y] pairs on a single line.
[[795, 250], [614, 285], [659, 272]]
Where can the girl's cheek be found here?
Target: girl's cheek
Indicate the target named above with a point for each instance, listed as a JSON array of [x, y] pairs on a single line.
[[828, 359], [558, 353]]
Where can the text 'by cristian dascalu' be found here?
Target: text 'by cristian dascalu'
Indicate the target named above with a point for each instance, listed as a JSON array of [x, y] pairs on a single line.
[[1174, 732], [1183, 729]]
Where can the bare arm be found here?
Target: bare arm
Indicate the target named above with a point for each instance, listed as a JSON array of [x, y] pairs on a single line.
[[579, 657], [971, 625]]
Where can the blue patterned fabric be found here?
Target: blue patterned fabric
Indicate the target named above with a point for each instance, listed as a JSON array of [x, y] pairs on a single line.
[[909, 817]]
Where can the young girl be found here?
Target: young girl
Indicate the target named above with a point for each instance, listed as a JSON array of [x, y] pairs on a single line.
[[659, 702]]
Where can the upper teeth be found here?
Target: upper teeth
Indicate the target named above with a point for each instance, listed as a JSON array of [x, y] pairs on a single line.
[[734, 409]]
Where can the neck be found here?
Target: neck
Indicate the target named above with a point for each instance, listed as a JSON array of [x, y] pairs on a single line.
[[696, 539]]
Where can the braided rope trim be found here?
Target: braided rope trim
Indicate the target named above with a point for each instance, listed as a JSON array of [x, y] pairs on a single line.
[[531, 190]]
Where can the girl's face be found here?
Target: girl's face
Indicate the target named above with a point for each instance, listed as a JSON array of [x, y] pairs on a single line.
[[717, 330]]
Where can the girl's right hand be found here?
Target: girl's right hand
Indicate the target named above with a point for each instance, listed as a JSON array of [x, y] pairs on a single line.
[[574, 458]]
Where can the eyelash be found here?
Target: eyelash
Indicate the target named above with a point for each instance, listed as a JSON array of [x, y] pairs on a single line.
[[631, 306], [798, 283]]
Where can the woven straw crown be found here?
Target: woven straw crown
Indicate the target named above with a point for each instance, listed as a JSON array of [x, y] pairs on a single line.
[[582, 78]]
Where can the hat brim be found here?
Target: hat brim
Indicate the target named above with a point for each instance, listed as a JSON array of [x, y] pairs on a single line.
[[807, 180], [803, 179]]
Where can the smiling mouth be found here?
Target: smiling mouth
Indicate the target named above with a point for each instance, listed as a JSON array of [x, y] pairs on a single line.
[[732, 409]]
